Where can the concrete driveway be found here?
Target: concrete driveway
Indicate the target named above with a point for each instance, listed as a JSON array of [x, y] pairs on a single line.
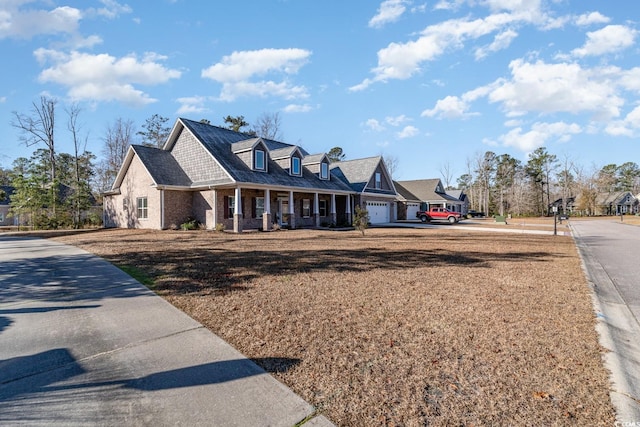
[[610, 251], [82, 343]]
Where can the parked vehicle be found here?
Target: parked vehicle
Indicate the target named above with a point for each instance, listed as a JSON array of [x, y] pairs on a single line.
[[475, 214], [441, 214]]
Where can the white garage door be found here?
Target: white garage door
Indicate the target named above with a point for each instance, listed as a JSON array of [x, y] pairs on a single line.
[[412, 210], [378, 212]]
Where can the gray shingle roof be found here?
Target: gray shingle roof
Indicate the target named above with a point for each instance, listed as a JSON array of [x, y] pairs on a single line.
[[357, 173], [218, 142], [313, 158], [162, 166], [245, 145], [423, 190]]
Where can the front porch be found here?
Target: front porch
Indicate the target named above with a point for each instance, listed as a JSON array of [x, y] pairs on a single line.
[[240, 209]]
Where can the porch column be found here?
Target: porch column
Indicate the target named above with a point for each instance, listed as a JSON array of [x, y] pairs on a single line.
[[334, 217], [215, 209], [266, 215], [292, 212], [316, 209], [237, 212], [348, 210]]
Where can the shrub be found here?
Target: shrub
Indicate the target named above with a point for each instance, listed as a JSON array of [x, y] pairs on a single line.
[[189, 224], [361, 219], [220, 227]]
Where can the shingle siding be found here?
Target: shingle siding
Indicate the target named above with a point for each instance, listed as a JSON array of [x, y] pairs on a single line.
[[195, 160]]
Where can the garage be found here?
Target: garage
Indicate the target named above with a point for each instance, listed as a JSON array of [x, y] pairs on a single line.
[[378, 212], [412, 210]]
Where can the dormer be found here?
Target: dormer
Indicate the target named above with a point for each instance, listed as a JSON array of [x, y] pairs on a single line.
[[253, 152], [288, 158], [317, 164]]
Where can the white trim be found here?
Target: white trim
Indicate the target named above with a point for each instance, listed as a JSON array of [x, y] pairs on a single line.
[[333, 203], [162, 209], [316, 204], [291, 207], [267, 201]]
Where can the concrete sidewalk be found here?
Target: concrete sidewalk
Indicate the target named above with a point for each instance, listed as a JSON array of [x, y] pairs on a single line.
[[82, 343]]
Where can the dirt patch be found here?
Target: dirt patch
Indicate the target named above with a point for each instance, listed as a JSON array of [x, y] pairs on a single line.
[[399, 327]]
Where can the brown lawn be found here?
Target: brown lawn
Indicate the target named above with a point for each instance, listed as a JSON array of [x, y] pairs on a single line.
[[400, 327]]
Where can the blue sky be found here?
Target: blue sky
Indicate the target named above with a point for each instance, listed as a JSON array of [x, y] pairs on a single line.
[[432, 84]]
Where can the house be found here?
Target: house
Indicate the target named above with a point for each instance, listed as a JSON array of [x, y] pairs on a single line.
[[5, 199], [623, 202], [217, 176], [422, 194], [464, 199]]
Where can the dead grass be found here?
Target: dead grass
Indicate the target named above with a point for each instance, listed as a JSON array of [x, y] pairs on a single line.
[[401, 327]]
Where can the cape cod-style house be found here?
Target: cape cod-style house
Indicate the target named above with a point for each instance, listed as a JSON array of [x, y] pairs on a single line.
[[217, 176]]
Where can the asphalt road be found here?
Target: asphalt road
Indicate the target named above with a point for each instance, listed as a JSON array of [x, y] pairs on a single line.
[[610, 250]]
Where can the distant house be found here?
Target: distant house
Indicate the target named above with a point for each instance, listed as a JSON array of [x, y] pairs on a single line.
[[464, 199], [617, 203], [567, 207], [217, 176], [422, 194], [5, 217]]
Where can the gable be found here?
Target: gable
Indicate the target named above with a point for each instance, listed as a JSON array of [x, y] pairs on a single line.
[[196, 161]]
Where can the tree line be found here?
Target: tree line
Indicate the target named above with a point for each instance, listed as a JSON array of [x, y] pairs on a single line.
[[502, 184]]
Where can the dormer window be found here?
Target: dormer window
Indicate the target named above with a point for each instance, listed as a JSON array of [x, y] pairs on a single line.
[[259, 160], [324, 170], [296, 166]]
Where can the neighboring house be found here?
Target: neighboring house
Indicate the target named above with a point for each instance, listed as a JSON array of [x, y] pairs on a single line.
[[567, 208], [7, 191], [217, 176], [423, 194], [464, 199], [372, 184], [623, 202]]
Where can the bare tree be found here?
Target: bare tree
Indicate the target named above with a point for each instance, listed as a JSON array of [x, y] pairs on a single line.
[[268, 125], [392, 163], [118, 137], [38, 128], [447, 175]]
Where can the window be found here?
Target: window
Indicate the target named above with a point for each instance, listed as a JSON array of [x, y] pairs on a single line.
[[322, 207], [232, 206], [295, 166], [259, 207], [1, 216], [324, 170], [143, 208], [259, 160], [306, 208], [378, 181]]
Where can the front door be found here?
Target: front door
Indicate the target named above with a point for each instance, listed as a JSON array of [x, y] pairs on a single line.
[[284, 210]]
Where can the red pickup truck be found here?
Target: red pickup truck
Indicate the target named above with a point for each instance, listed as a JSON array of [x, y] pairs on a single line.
[[442, 214]]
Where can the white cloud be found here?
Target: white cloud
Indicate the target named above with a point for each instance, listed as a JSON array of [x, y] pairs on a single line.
[[403, 60], [539, 135], [236, 70], [610, 39], [192, 105], [298, 108], [500, 42], [591, 18], [389, 11], [3, 99], [112, 9], [450, 107], [397, 120], [551, 88], [627, 127], [374, 125], [103, 77], [408, 132], [16, 23]]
